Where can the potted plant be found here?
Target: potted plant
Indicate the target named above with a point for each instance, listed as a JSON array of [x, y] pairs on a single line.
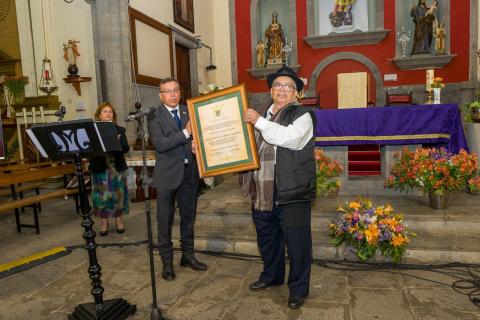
[[367, 229], [436, 171], [15, 86], [327, 171], [471, 111]]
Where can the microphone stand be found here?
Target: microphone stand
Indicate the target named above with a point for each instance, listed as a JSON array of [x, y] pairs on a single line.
[[155, 313]]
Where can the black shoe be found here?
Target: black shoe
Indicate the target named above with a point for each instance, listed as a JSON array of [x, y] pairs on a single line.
[[193, 263], [257, 286], [295, 302], [168, 273]]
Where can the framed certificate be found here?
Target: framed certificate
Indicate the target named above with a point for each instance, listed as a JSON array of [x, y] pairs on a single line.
[[224, 142]]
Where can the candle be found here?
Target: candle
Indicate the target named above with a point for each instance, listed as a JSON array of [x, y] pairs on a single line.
[[42, 114], [430, 76], [24, 110]]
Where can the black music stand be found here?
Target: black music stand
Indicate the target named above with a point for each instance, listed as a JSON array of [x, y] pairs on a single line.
[[76, 140]]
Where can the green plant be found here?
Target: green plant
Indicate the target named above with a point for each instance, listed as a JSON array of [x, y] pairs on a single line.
[[15, 85], [470, 108]]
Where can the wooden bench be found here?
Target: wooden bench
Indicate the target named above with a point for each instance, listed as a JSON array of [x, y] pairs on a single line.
[[31, 176]]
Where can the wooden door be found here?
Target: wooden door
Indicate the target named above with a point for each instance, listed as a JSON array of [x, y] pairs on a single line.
[[183, 71]]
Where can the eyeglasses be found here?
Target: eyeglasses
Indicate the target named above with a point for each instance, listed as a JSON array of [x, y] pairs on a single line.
[[171, 91], [286, 86]]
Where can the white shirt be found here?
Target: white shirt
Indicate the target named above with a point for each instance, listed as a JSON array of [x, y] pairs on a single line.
[[294, 137], [185, 132]]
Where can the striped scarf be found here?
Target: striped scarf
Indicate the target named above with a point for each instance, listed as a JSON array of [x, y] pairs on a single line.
[[259, 183]]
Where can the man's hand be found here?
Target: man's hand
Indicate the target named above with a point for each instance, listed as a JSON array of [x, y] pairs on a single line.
[[188, 127], [194, 147], [251, 116]]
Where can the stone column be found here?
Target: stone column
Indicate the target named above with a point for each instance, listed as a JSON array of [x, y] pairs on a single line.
[[111, 35]]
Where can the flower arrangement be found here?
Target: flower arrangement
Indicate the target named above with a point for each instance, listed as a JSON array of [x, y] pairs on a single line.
[[432, 169], [15, 86], [367, 228], [474, 184], [437, 83], [327, 170], [212, 87]]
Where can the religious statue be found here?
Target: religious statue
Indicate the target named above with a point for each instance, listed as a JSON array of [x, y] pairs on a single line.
[[403, 39], [70, 54], [274, 39], [260, 49], [440, 35], [286, 52], [424, 19], [342, 13]]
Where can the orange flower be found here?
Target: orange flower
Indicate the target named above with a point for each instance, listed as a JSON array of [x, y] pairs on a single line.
[[398, 240], [354, 205], [372, 233]]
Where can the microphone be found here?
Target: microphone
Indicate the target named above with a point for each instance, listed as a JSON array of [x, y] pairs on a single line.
[[140, 114], [60, 113]]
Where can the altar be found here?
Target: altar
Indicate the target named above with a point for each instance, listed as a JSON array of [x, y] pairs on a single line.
[[393, 128], [439, 125]]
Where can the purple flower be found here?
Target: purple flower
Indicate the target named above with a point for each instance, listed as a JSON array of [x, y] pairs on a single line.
[[370, 212]]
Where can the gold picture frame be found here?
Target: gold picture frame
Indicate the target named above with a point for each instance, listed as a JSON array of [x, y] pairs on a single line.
[[224, 142]]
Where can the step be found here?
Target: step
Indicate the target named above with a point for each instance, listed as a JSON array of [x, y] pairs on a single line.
[[364, 173], [364, 147], [364, 156], [427, 247]]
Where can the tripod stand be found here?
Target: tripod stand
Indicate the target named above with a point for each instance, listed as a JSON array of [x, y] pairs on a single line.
[[155, 313]]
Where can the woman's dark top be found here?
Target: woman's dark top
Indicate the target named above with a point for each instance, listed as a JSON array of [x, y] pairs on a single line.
[[99, 164]]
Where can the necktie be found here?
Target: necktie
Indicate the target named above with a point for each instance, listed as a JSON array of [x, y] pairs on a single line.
[[177, 118]]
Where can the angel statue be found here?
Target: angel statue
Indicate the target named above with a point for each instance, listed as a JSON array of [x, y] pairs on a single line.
[[70, 54]]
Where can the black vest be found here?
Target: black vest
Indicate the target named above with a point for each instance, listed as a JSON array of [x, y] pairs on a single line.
[[296, 169]]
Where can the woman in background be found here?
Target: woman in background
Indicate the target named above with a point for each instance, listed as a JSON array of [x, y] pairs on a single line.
[[109, 175]]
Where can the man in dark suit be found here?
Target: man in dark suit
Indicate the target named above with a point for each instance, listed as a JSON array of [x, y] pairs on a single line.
[[175, 176]]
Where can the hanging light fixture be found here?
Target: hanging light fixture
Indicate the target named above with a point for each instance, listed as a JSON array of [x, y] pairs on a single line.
[[47, 80]]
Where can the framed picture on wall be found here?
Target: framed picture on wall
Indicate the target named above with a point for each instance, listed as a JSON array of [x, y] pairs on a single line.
[[183, 14], [152, 49]]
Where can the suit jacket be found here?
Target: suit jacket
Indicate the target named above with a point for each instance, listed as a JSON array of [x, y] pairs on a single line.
[[171, 148], [99, 164]]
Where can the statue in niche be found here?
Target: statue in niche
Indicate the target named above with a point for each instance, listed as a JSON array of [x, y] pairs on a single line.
[[260, 49], [424, 18], [286, 50], [440, 35], [342, 13], [274, 40]]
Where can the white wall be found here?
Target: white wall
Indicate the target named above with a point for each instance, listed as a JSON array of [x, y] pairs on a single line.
[[211, 23], [63, 21]]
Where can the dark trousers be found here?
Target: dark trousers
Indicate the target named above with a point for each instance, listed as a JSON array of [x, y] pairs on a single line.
[[273, 235], [186, 197]]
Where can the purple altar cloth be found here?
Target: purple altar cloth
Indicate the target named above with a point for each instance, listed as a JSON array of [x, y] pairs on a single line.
[[439, 124]]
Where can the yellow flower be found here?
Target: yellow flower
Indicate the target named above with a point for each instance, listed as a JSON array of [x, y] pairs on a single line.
[[398, 240], [340, 209], [388, 209], [372, 233], [379, 211], [354, 205]]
